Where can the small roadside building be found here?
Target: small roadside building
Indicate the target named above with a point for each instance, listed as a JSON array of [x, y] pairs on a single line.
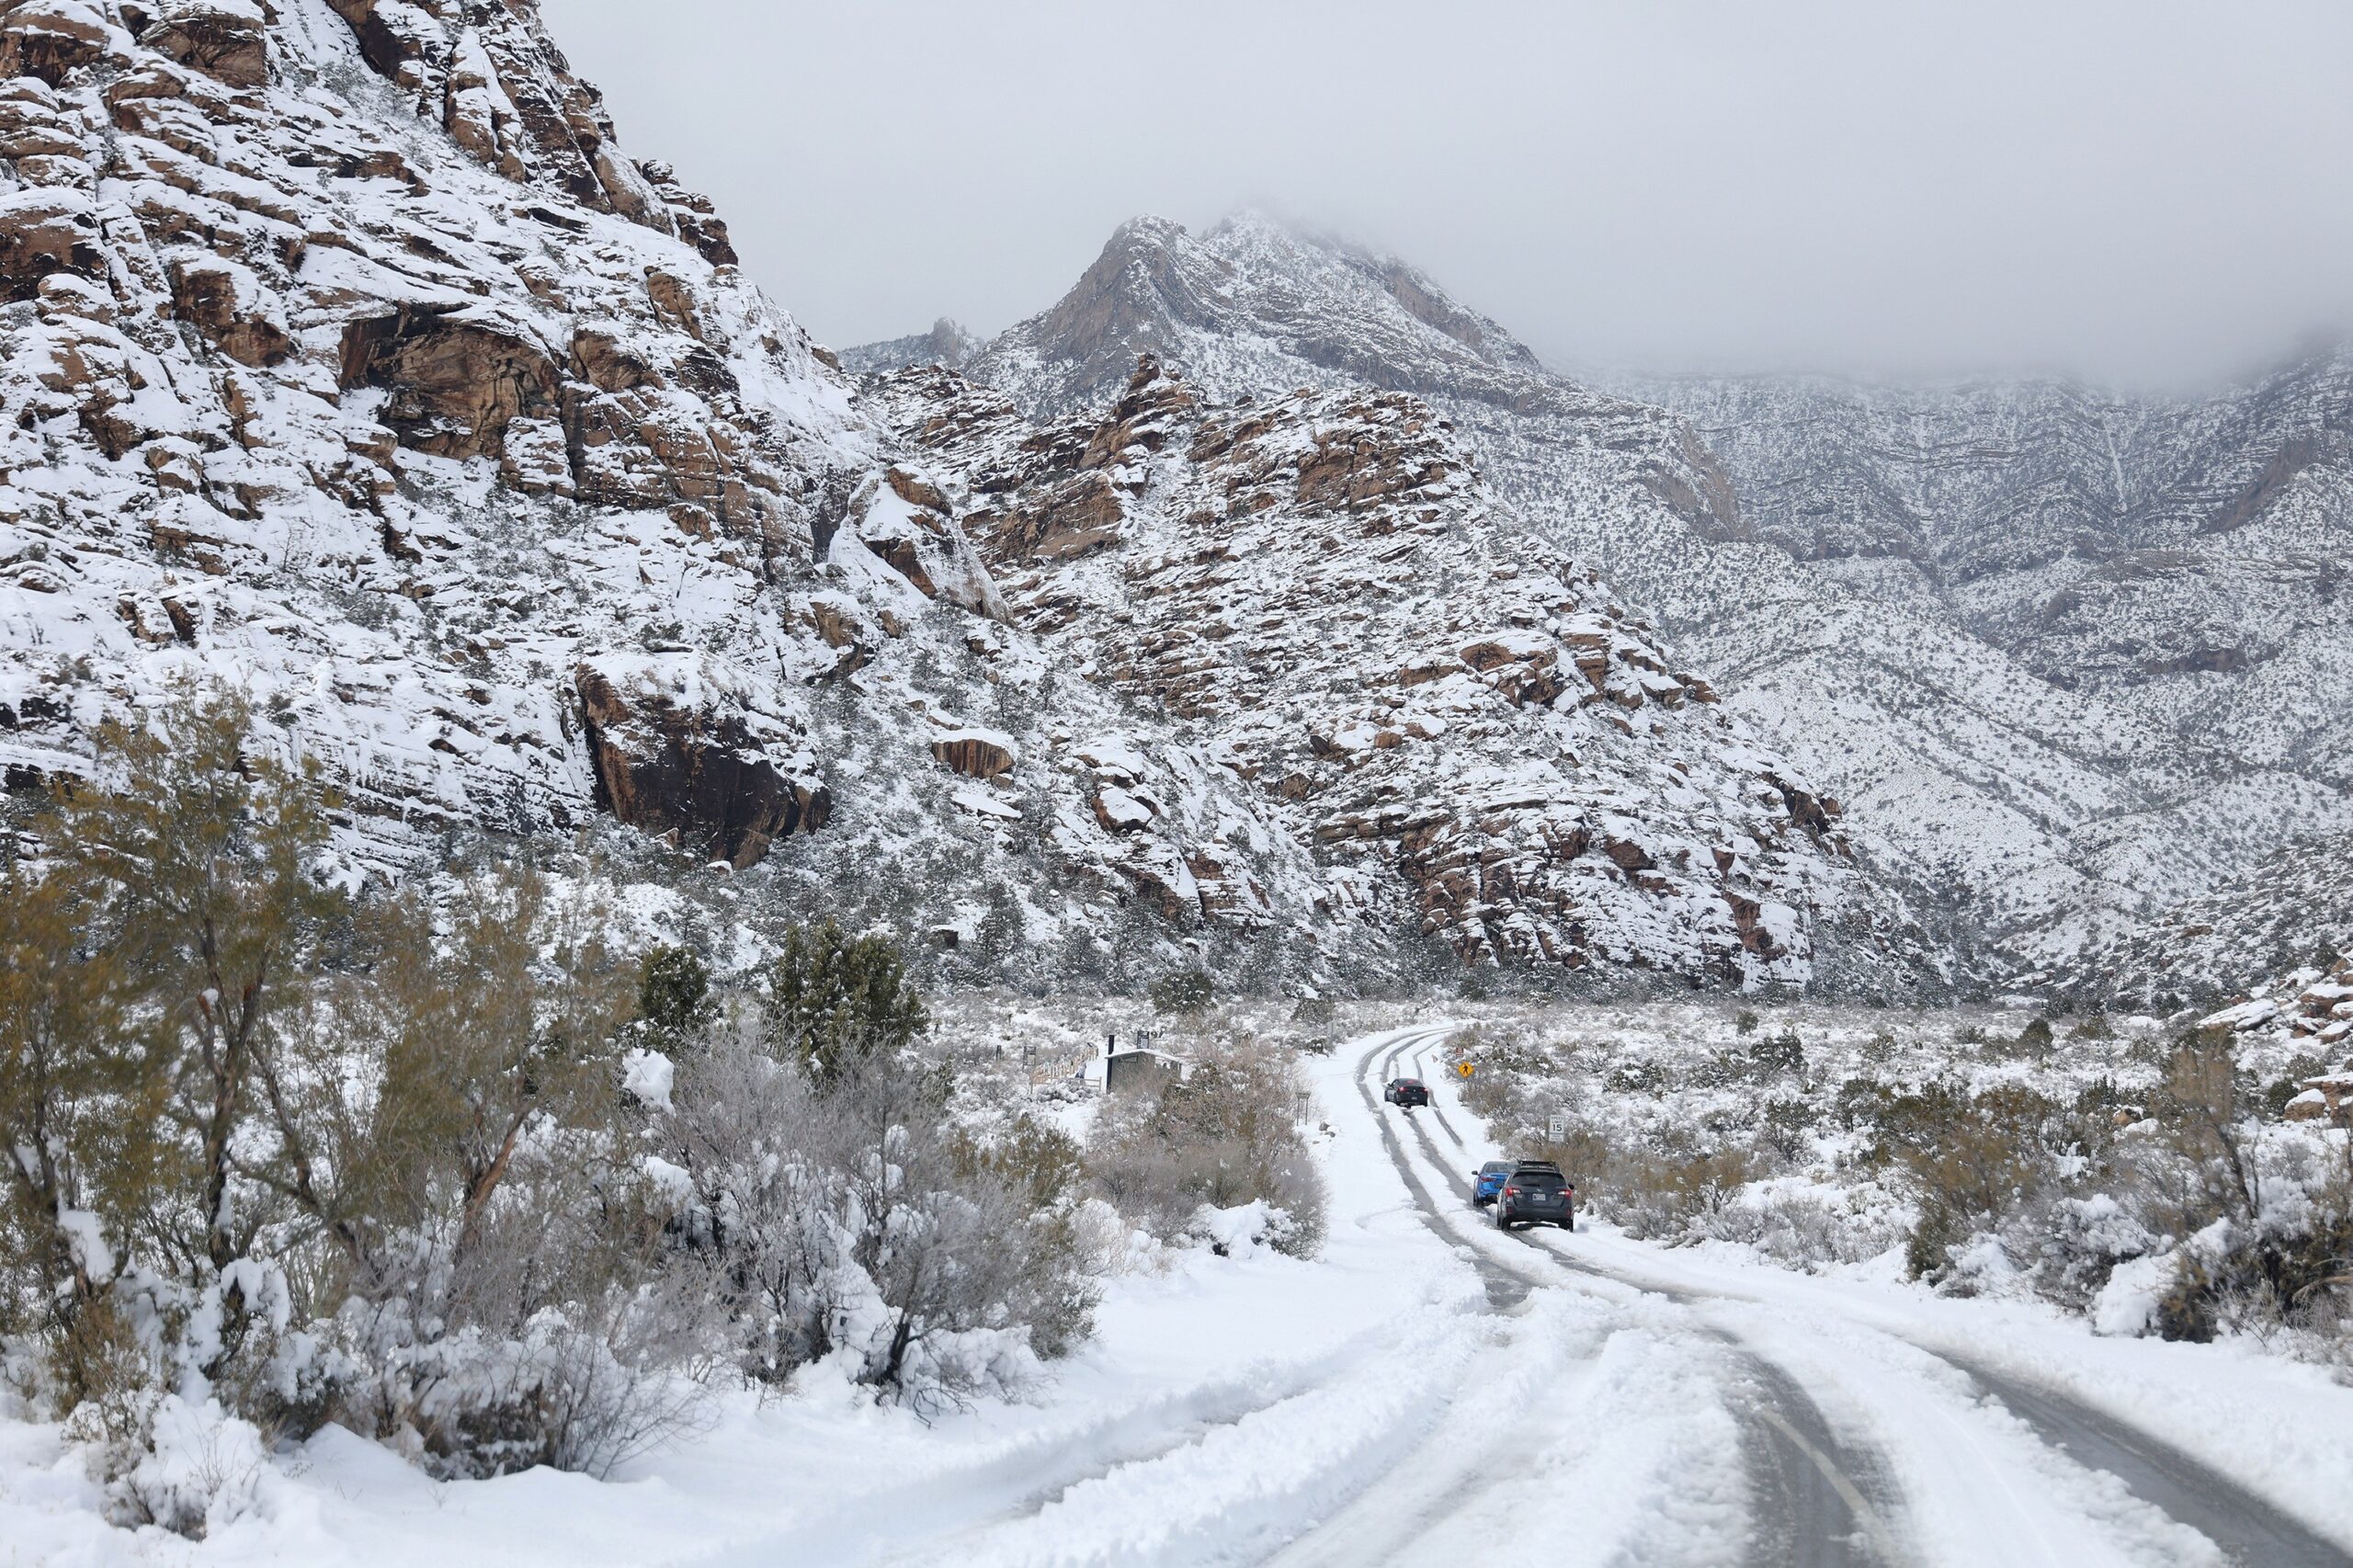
[[1135, 1070]]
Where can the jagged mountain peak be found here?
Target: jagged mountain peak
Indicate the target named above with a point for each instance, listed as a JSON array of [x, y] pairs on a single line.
[[948, 344], [1337, 311]]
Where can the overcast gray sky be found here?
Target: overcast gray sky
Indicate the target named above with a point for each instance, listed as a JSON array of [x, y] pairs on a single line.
[[2136, 191]]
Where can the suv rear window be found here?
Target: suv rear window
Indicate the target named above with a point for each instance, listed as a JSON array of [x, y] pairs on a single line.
[[1538, 1181]]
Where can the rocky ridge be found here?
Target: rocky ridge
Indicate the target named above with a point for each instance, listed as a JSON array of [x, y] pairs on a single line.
[[2160, 572], [2046, 723], [347, 358], [1477, 738]]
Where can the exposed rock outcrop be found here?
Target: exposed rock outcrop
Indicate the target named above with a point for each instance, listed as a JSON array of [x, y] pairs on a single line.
[[1471, 732], [664, 767]]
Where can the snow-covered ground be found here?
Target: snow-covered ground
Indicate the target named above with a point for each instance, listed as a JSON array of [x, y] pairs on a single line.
[[1428, 1391]]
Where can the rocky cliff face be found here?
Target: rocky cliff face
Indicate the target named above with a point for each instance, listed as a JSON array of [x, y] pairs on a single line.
[[1478, 740], [2067, 659], [345, 356], [348, 360]]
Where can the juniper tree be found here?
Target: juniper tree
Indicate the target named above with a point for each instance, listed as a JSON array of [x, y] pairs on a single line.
[[674, 993], [831, 997]]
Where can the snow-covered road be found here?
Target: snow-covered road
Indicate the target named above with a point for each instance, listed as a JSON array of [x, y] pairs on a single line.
[[1427, 1392], [1951, 1446], [1478, 1396]]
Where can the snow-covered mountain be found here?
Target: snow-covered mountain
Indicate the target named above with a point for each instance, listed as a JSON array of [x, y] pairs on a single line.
[[2162, 573], [348, 360], [2066, 660], [346, 357], [1482, 743]]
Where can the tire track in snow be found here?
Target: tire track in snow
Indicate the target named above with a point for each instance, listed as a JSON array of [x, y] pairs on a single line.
[[2246, 1530], [2249, 1531], [2243, 1527], [920, 1520], [1815, 1513], [1435, 1109]]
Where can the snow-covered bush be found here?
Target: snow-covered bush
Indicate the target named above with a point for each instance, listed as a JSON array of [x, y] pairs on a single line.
[[843, 1217], [1799, 1228], [2133, 1172], [167, 1461], [1228, 1134]]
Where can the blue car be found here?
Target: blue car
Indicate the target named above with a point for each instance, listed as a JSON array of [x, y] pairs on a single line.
[[1488, 1180]]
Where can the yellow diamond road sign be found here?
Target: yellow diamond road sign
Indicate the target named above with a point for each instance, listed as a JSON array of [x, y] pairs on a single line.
[[1463, 1068]]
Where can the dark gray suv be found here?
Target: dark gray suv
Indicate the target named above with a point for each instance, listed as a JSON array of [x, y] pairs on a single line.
[[1536, 1193]]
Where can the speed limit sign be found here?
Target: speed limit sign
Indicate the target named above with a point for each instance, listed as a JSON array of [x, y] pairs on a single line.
[[1556, 1129]]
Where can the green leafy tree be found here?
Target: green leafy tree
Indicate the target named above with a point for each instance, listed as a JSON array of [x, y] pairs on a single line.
[[82, 1103], [201, 848]]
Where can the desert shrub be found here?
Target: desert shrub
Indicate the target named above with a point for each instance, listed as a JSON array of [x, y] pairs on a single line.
[[1313, 1010], [2273, 1100], [2072, 1244], [2034, 1041], [1786, 1127], [1747, 1021], [1227, 1135], [841, 1217], [1798, 1230], [1635, 1078], [2186, 1309], [1968, 1160], [2096, 1114], [2201, 1106], [1665, 1193], [1720, 1069], [1780, 1054]]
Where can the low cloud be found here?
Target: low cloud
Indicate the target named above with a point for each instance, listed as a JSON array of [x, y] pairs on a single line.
[[2138, 192]]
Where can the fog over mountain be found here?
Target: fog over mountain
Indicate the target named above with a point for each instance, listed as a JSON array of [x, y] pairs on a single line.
[[2124, 192]]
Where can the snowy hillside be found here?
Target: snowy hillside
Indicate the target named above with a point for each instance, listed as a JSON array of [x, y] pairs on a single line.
[[351, 362], [2145, 590], [2295, 908], [2045, 752], [1481, 743]]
